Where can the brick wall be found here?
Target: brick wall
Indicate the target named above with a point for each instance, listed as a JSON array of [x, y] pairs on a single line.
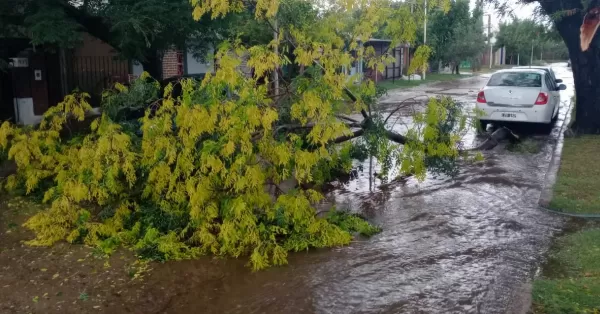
[[172, 63]]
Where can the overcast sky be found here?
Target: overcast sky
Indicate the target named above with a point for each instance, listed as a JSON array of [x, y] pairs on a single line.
[[519, 10]]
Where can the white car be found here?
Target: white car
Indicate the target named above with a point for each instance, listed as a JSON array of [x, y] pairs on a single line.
[[519, 95]]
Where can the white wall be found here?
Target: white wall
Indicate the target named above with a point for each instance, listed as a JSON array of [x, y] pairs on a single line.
[[138, 68], [193, 66], [196, 67]]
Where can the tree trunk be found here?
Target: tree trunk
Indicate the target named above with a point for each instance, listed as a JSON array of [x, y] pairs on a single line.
[[153, 65], [586, 69], [457, 69]]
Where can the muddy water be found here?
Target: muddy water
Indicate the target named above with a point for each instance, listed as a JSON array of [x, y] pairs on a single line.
[[462, 245]]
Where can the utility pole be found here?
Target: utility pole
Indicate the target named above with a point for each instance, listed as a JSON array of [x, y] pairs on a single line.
[[425, 33], [531, 62], [424, 30], [490, 37]]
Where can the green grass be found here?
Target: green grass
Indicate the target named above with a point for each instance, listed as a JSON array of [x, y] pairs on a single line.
[[429, 78], [577, 189], [572, 120], [571, 280]]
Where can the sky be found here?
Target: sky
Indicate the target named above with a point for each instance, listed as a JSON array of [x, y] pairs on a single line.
[[519, 10]]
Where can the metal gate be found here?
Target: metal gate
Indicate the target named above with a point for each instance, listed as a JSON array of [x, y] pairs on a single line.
[[95, 74]]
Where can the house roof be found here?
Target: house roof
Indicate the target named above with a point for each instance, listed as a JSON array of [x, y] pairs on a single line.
[[378, 40]]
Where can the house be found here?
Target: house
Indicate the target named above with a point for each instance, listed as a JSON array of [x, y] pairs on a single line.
[[37, 78], [40, 78]]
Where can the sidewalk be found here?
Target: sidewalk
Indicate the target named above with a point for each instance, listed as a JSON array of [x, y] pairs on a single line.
[[429, 78]]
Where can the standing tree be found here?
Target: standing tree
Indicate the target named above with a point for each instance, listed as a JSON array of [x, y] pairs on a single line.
[[520, 36], [458, 35]]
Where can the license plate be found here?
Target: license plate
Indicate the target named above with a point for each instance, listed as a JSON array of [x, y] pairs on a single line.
[[509, 115]]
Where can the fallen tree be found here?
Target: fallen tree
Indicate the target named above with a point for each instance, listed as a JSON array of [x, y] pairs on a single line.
[[189, 177]]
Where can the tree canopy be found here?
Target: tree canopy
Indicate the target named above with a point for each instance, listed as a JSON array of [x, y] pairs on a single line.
[[458, 35], [136, 29], [519, 36]]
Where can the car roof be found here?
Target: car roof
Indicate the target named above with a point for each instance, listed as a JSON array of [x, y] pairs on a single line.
[[533, 67], [539, 71]]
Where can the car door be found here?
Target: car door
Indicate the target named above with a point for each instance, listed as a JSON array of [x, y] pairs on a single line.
[[553, 93], [556, 79]]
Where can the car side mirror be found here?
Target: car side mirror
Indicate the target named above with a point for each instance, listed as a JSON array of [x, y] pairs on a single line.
[[562, 87], [559, 81]]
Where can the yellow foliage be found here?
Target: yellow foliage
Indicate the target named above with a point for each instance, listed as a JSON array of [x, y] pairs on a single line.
[[419, 62], [192, 180]]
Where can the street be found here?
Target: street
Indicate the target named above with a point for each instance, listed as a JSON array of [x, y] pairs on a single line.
[[468, 244]]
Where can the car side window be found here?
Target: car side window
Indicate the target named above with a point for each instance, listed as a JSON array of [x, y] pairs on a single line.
[[549, 83]]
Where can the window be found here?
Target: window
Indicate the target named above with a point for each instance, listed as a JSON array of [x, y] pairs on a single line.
[[551, 81], [516, 79]]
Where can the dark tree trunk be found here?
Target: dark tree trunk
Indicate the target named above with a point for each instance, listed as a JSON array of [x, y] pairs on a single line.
[[586, 74], [153, 65], [457, 69]]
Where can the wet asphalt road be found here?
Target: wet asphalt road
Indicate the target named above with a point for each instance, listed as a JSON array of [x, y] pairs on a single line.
[[462, 245]]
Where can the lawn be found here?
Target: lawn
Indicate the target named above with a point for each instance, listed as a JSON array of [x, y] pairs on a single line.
[[429, 78], [577, 189], [571, 279], [570, 282]]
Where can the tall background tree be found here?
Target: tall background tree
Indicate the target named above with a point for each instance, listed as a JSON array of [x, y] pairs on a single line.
[[457, 36], [520, 36]]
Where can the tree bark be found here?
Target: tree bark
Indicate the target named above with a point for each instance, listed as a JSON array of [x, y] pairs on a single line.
[[586, 74], [457, 69]]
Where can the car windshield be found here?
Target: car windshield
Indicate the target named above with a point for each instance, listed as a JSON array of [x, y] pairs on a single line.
[[518, 79], [547, 70]]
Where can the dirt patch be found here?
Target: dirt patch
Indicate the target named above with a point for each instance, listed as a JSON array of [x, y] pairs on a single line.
[[73, 278], [64, 278]]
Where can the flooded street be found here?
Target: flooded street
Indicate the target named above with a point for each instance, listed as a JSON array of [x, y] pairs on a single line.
[[462, 245], [448, 245]]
